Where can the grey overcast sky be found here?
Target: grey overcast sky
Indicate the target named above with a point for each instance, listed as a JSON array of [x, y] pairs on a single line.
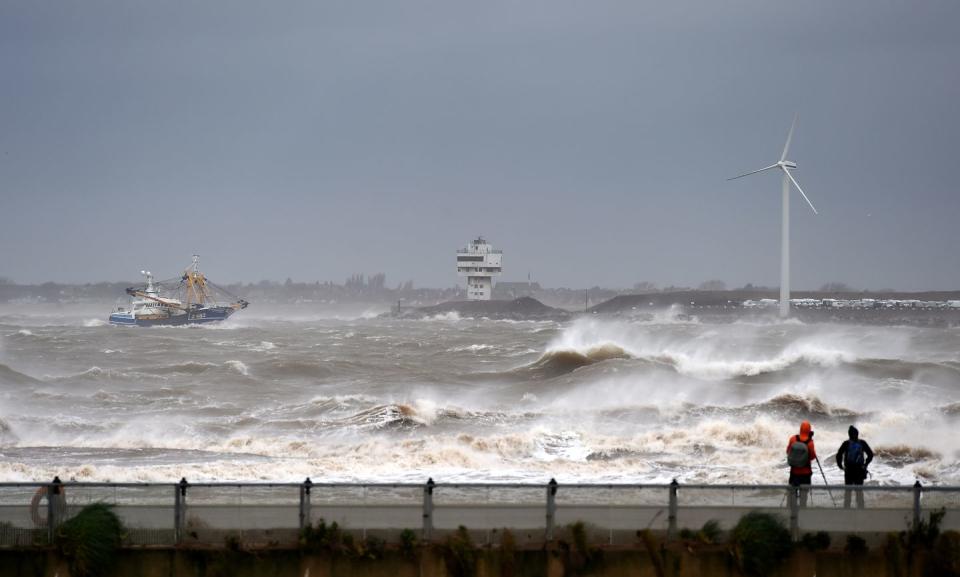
[[590, 140]]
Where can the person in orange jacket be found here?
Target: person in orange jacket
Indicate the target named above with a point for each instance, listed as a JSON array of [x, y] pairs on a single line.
[[800, 456]]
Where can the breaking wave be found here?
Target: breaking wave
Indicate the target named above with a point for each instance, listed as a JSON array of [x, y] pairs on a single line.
[[560, 362], [393, 416], [903, 454], [807, 406], [555, 363], [238, 367]]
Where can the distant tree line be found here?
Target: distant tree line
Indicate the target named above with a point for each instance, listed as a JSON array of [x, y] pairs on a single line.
[[374, 288]]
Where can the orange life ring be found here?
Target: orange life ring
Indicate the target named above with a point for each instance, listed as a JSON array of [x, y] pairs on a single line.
[[38, 519]]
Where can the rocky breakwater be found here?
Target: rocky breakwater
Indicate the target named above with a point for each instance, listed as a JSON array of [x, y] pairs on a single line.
[[521, 309]]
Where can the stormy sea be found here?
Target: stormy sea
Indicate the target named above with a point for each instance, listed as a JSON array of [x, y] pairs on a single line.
[[286, 393]]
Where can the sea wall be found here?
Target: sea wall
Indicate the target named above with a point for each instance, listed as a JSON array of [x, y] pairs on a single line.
[[675, 561]]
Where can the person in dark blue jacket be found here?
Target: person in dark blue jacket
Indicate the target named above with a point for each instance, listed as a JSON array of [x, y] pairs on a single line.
[[853, 457]]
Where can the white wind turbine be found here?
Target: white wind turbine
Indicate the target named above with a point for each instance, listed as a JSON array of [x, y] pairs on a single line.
[[785, 165]]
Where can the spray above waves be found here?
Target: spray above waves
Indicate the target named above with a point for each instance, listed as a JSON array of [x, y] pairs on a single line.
[[745, 353], [796, 363]]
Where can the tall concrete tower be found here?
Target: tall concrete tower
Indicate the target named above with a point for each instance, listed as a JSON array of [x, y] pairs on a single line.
[[479, 263]]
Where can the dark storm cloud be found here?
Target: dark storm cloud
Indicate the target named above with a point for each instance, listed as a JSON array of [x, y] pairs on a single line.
[[589, 140]]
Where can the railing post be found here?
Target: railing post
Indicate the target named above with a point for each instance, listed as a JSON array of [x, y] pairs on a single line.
[[551, 507], [428, 510], [917, 512], [672, 511], [305, 503], [53, 513], [793, 496], [180, 509], [176, 515]]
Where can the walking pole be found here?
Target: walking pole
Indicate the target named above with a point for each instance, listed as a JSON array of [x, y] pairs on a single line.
[[829, 492]]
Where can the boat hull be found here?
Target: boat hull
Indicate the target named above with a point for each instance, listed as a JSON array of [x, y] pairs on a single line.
[[194, 317]]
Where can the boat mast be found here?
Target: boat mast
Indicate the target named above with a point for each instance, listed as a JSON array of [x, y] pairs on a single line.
[[196, 284], [149, 290]]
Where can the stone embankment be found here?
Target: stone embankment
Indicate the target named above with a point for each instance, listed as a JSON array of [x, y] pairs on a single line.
[[675, 560]]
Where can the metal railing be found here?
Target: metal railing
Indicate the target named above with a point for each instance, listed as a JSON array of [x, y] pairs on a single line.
[[276, 513]]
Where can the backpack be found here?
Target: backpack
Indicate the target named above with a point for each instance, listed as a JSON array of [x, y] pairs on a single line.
[[799, 455], [854, 456]]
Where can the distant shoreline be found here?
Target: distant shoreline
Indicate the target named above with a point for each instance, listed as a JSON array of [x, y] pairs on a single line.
[[702, 306], [928, 308]]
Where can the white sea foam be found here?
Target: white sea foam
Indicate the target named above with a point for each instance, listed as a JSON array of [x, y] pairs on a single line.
[[448, 316], [90, 323], [264, 346], [715, 450], [472, 348], [239, 367], [523, 352]]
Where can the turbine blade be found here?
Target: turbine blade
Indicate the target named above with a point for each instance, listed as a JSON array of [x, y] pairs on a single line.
[[795, 183], [755, 171], [786, 147]]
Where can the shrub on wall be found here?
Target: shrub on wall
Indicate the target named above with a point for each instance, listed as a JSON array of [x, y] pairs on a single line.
[[944, 559], [89, 541], [761, 543], [459, 554]]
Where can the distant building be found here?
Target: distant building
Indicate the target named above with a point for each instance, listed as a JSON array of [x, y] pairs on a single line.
[[479, 263]]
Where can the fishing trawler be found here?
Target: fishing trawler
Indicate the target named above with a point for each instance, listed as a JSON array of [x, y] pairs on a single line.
[[189, 299]]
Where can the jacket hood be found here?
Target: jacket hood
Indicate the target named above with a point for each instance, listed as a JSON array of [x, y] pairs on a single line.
[[805, 431]]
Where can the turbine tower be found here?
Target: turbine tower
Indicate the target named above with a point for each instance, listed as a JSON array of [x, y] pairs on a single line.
[[786, 166]]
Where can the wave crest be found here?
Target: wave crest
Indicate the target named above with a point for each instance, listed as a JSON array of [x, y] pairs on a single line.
[[805, 405], [392, 416], [556, 363], [900, 454]]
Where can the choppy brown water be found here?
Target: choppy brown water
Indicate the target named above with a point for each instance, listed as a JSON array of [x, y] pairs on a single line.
[[287, 394]]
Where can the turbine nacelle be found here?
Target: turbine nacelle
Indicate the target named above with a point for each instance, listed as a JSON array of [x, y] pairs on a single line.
[[784, 165]]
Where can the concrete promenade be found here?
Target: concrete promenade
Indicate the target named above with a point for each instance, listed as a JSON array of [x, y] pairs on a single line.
[[171, 514]]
